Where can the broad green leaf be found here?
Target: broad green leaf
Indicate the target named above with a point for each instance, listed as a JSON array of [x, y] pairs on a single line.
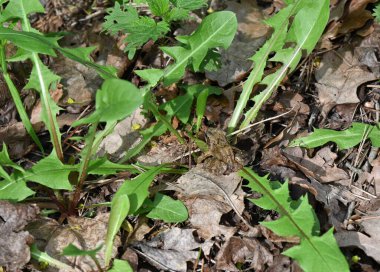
[[114, 101], [121, 266], [202, 100], [72, 250], [152, 76], [20, 8], [344, 139], [14, 190], [331, 258], [30, 41], [38, 43], [216, 30], [167, 209], [137, 188], [50, 172], [297, 218], [120, 208]]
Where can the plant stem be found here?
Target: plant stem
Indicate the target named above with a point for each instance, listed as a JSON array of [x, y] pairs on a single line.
[[84, 166]]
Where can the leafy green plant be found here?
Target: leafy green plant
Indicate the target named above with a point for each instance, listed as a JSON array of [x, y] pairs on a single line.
[[140, 29], [296, 30], [376, 13], [297, 218], [344, 139]]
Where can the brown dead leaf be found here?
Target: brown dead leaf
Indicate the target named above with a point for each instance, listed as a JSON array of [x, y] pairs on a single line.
[[84, 233], [14, 240], [252, 33], [321, 167], [346, 19], [207, 200], [339, 75], [242, 250]]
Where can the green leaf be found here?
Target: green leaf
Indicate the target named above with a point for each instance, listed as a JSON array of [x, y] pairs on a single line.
[[137, 189], [307, 27], [103, 166], [159, 7], [297, 218], [167, 209], [190, 4], [120, 208], [72, 250], [30, 41], [43, 257], [216, 30], [20, 8], [121, 266], [200, 108], [6, 161], [330, 260], [14, 191], [152, 76], [376, 13], [140, 29], [50, 172], [344, 139], [114, 101]]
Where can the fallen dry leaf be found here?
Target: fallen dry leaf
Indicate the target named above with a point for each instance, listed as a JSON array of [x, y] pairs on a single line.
[[346, 18], [84, 233], [321, 167], [338, 77], [14, 240], [241, 250], [207, 198]]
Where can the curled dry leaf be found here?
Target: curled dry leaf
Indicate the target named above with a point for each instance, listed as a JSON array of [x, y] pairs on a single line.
[[14, 240], [346, 18], [321, 167]]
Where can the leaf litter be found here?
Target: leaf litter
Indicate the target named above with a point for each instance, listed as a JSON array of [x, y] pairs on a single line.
[[222, 230]]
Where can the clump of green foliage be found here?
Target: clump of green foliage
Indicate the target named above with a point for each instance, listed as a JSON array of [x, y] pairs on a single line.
[[296, 30], [117, 99], [140, 29], [297, 218]]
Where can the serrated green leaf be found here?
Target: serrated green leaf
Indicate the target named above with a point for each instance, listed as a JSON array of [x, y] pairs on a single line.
[[376, 13], [159, 7], [297, 218], [216, 30], [331, 258], [121, 266], [190, 5], [114, 101], [167, 209], [5, 160], [120, 208], [152, 76], [344, 139], [50, 172], [307, 26], [140, 29]]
